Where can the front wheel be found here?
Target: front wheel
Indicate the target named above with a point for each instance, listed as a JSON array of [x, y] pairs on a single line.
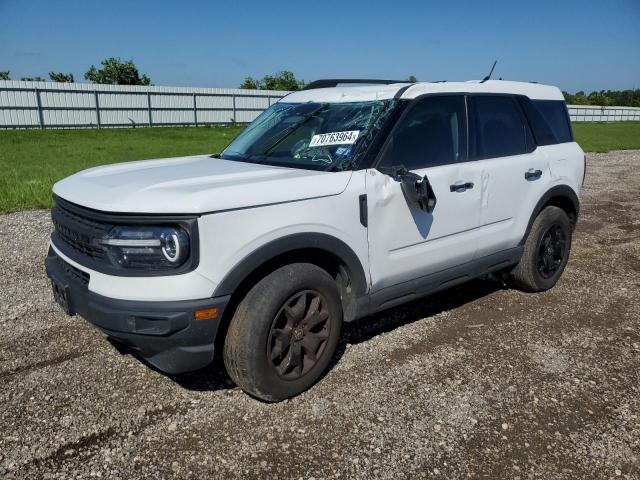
[[284, 332], [546, 251]]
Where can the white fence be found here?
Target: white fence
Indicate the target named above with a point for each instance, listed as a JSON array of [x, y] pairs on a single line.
[[594, 113], [84, 105]]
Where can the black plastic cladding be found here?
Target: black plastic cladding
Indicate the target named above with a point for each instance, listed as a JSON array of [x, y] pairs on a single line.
[[290, 243], [563, 191], [188, 222]]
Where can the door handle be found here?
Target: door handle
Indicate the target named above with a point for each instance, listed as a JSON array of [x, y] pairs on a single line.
[[532, 174], [461, 187]]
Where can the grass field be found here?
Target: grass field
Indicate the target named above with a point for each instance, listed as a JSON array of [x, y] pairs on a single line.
[[31, 161], [603, 137]]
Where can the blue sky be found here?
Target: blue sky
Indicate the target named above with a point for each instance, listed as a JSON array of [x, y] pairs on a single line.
[[577, 45]]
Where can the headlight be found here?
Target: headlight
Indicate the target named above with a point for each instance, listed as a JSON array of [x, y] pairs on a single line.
[[146, 247]]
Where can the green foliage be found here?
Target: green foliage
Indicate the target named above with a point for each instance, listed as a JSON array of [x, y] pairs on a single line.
[[5, 75], [412, 79], [284, 80], [250, 83], [116, 72], [624, 98], [33, 79], [61, 77]]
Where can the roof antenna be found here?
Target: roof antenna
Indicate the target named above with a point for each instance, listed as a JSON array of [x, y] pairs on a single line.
[[489, 76]]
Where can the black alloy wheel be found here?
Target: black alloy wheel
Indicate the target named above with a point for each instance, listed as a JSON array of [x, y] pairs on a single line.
[[551, 250], [545, 253], [299, 334]]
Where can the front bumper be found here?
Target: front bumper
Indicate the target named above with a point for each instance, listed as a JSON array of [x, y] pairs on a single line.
[[165, 334]]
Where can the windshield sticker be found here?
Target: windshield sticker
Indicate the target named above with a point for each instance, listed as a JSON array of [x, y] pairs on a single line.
[[335, 138], [343, 152]]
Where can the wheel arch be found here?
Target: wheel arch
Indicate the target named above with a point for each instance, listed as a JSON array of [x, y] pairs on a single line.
[[294, 245], [325, 251], [561, 196]]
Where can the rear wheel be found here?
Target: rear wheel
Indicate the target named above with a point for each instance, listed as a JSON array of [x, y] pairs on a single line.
[[284, 332], [546, 251]]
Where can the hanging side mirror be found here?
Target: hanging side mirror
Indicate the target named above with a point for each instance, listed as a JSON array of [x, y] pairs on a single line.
[[417, 189]]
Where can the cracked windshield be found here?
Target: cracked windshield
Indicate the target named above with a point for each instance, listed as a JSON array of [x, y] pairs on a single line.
[[317, 136]]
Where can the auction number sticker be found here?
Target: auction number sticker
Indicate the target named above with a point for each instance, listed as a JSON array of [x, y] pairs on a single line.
[[334, 138]]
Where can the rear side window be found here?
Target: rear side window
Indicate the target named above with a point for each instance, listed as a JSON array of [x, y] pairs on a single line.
[[433, 132], [499, 128], [555, 113]]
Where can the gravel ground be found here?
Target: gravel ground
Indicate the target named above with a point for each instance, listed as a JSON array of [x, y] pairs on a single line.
[[478, 382]]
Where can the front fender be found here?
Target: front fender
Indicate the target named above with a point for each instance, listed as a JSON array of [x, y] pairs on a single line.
[[290, 243]]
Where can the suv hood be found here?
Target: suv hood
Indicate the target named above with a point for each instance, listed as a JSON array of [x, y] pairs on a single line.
[[195, 184]]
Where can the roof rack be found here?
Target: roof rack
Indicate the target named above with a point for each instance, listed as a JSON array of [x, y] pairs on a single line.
[[332, 82]]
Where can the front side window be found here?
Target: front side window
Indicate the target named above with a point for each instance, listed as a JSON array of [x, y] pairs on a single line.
[[317, 136], [499, 129], [432, 132]]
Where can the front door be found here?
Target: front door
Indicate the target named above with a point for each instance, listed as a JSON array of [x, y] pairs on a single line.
[[405, 242]]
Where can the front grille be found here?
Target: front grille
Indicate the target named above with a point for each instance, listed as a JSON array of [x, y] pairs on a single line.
[[79, 232], [73, 272]]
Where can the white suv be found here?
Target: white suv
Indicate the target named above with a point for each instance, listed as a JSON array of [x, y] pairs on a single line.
[[335, 203]]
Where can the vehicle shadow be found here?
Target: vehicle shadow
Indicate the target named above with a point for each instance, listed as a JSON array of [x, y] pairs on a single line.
[[366, 328], [210, 378], [214, 377]]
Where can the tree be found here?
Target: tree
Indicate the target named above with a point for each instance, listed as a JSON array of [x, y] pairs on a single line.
[[5, 75], [624, 98], [250, 84], [33, 79], [599, 98], [116, 72], [61, 77], [412, 79], [284, 80]]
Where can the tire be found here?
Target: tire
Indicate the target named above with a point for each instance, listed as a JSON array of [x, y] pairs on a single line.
[[550, 229], [270, 331]]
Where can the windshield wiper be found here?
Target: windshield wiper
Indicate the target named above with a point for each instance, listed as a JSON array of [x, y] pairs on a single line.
[[294, 127]]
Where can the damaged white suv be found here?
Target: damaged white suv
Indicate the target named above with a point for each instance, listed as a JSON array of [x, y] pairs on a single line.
[[335, 203]]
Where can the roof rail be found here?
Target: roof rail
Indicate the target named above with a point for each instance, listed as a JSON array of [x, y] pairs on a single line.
[[332, 82]]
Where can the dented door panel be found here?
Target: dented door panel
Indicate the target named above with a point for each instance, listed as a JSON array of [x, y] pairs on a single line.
[[508, 197], [406, 242]]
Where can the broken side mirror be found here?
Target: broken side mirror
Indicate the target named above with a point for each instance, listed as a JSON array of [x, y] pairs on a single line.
[[417, 189]]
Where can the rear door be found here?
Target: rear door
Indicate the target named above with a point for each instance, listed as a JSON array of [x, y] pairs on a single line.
[[515, 172], [405, 242]]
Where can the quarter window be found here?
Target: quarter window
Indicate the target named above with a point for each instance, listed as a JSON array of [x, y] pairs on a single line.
[[499, 127], [433, 132], [555, 113], [540, 127]]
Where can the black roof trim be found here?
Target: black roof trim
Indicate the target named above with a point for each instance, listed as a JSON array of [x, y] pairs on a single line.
[[402, 90], [333, 82]]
